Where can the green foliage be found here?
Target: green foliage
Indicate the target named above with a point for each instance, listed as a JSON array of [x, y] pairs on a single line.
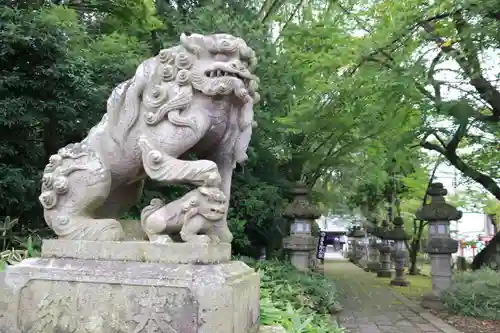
[[477, 201], [301, 302], [14, 248], [15, 235], [55, 82], [475, 294]]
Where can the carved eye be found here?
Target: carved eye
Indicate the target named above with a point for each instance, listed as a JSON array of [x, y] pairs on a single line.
[[221, 57]]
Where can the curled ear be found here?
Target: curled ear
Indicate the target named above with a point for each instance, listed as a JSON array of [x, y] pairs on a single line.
[[186, 206]]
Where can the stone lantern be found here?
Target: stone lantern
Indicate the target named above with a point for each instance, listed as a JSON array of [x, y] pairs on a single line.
[[300, 244], [398, 235], [385, 252], [357, 251], [373, 264], [440, 246]]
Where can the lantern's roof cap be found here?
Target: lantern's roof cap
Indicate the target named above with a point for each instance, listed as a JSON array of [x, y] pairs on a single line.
[[301, 206], [356, 233], [438, 209]]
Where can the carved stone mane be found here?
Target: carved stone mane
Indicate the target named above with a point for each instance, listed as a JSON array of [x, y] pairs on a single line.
[[163, 86]]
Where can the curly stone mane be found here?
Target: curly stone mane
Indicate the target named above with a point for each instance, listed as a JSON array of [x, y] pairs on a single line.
[[163, 86]]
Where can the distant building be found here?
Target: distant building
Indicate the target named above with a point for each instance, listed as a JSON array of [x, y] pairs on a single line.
[[473, 232]]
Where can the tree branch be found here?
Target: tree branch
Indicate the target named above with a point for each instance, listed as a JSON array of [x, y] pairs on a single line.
[[468, 62], [432, 146], [290, 18], [459, 134], [435, 84], [441, 141]]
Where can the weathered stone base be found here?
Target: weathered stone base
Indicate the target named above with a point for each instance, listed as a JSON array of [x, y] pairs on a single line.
[[299, 249], [384, 274], [400, 283], [300, 259], [84, 295], [138, 251], [373, 266], [431, 301]]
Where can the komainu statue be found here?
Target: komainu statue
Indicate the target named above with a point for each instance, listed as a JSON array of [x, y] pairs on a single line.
[[196, 97], [192, 217]]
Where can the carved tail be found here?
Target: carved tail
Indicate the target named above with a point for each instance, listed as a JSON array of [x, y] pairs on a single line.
[[154, 206]]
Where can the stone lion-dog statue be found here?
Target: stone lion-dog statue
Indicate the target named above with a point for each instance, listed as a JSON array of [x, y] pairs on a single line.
[[193, 98]]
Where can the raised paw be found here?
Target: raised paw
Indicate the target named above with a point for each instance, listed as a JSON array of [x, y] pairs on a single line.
[[202, 239], [160, 239]]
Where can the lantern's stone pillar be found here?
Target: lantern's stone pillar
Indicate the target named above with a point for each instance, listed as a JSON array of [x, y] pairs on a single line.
[[440, 246], [374, 256], [350, 247], [358, 248], [385, 253], [374, 263], [398, 235], [303, 213]]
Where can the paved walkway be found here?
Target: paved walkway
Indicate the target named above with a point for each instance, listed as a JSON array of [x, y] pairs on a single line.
[[370, 307]]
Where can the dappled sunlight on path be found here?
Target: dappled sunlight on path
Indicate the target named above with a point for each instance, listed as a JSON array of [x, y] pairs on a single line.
[[371, 307]]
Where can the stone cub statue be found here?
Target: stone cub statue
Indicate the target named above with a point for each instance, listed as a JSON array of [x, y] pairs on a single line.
[[193, 217]]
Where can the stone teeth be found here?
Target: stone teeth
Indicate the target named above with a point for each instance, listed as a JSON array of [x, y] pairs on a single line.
[[221, 73]]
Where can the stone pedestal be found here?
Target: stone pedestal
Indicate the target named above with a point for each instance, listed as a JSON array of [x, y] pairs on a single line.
[[440, 246], [398, 235], [359, 253], [399, 278], [355, 237], [373, 264], [385, 261], [299, 248], [301, 245], [124, 287]]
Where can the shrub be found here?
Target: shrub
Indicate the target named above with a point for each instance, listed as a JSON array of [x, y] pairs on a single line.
[[475, 294], [13, 249], [300, 302]]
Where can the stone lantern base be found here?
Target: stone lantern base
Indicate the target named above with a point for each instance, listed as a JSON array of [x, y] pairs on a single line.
[[400, 282], [299, 248], [384, 274], [385, 262], [431, 301], [373, 266]]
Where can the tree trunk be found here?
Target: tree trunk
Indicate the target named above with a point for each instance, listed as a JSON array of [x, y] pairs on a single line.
[[415, 247], [486, 181]]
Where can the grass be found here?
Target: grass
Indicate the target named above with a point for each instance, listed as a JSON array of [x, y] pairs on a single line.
[[425, 269], [419, 285]]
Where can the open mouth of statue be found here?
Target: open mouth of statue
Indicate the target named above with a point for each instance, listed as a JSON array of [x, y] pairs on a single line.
[[219, 73]]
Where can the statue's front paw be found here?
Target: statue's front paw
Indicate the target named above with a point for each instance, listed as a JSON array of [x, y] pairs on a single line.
[[160, 239], [225, 235], [214, 239], [200, 239]]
